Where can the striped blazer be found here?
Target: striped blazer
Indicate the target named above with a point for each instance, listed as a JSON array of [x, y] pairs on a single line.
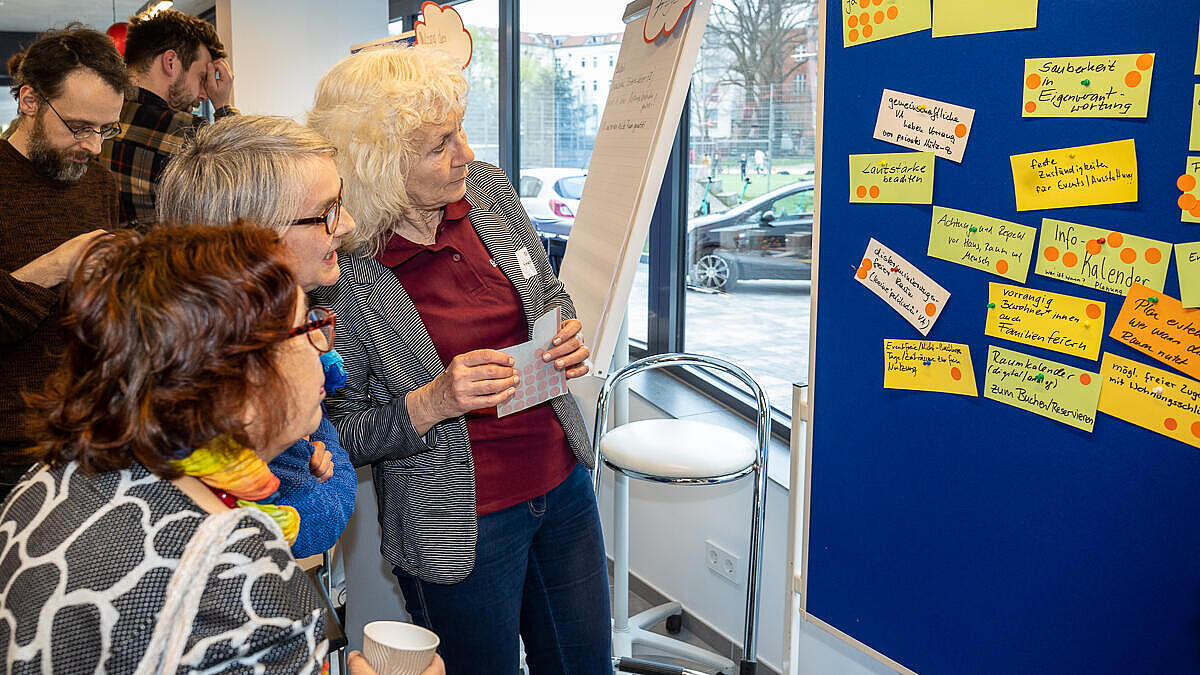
[[425, 485]]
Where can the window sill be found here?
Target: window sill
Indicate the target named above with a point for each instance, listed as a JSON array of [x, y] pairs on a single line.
[[676, 400]]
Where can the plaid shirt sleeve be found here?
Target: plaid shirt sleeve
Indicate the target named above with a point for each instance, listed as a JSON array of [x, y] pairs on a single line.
[[151, 133]]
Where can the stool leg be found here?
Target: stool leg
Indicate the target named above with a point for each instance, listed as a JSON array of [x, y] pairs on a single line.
[[620, 551]]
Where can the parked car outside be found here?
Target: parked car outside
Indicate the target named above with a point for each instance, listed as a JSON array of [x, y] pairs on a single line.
[[551, 198], [768, 237]]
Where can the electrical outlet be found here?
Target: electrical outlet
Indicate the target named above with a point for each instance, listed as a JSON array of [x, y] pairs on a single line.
[[721, 561]]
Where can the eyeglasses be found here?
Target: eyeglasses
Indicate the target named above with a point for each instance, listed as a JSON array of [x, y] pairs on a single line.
[[318, 325], [329, 216], [83, 132]]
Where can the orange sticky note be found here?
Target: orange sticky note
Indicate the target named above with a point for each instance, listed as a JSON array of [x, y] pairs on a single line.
[[1158, 325], [1153, 399]]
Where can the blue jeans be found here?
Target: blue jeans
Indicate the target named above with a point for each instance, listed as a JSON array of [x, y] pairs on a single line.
[[539, 571]]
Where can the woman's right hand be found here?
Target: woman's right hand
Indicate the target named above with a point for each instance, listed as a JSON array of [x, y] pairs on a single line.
[[478, 379], [359, 666]]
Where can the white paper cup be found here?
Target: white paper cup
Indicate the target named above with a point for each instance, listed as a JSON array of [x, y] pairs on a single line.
[[398, 648]]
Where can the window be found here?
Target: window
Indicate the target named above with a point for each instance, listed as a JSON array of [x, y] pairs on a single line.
[[594, 85], [583, 63], [800, 83], [481, 123], [595, 62], [610, 61]]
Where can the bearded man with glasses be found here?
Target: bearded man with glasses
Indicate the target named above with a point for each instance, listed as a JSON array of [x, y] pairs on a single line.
[[69, 86]]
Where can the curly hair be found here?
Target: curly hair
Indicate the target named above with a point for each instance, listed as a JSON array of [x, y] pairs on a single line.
[[58, 53], [372, 106], [170, 337], [151, 35], [251, 167]]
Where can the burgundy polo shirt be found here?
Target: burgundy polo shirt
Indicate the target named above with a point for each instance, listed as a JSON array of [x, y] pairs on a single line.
[[467, 303]]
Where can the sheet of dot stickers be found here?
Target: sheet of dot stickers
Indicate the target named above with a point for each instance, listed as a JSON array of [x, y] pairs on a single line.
[[540, 380]]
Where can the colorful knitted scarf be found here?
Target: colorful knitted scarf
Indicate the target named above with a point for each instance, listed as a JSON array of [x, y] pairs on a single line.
[[239, 476]]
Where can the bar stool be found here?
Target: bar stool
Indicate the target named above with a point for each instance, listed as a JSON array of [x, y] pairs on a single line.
[[684, 452]]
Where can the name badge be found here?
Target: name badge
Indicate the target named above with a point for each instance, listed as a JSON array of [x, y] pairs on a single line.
[[528, 270]]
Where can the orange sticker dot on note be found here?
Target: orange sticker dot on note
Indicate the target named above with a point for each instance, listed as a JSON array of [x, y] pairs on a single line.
[[879, 16], [864, 18], [864, 3], [1115, 239], [874, 192], [1051, 253], [1170, 424], [960, 130], [1128, 256], [1145, 61], [1093, 311], [1186, 201], [1030, 106], [852, 21], [1002, 266], [1186, 183], [956, 374], [1033, 81], [1152, 255], [1195, 210], [1085, 379], [1093, 247], [1196, 429], [1069, 259], [867, 30], [861, 192], [1133, 78], [930, 309], [862, 273], [853, 35], [877, 2], [892, 12]]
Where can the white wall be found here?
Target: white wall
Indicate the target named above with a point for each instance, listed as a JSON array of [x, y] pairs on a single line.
[[281, 48]]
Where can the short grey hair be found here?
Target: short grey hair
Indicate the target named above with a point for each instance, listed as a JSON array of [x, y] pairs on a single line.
[[242, 168]]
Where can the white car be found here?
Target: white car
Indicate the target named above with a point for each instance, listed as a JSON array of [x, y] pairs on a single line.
[[551, 197]]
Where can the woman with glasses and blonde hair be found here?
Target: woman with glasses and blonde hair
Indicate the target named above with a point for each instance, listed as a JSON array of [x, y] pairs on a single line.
[[490, 522], [280, 175]]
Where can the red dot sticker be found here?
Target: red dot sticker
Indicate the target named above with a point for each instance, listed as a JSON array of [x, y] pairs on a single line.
[[1144, 62], [1085, 379], [1186, 201], [1196, 429], [1128, 256], [1133, 78], [867, 30], [1093, 247], [930, 309], [1093, 311], [1002, 266], [1170, 424], [1030, 106], [879, 16], [853, 36], [874, 192], [1033, 81], [1115, 239], [861, 192], [1152, 255], [892, 12], [960, 130], [1069, 259], [1051, 253], [852, 21], [956, 374]]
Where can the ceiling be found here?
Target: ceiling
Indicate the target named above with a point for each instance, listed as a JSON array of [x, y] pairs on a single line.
[[33, 16]]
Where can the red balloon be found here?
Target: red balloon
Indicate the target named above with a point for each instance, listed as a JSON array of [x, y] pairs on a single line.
[[117, 32]]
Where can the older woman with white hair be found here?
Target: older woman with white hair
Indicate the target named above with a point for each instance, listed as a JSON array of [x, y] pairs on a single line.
[[490, 522], [279, 174]]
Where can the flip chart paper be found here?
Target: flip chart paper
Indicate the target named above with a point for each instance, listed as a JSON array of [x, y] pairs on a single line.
[[1061, 323], [1104, 173], [908, 290], [540, 380], [1053, 390], [1158, 326], [1117, 85], [982, 242], [1189, 185], [1187, 263], [866, 21], [963, 17], [925, 365], [1194, 140], [924, 124], [1098, 258], [1151, 398], [892, 178]]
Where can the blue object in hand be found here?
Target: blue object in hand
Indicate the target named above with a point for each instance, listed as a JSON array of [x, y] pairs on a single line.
[[335, 372]]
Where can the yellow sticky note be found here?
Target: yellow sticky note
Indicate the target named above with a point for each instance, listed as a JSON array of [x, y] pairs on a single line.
[[1187, 264], [1151, 398], [866, 21], [925, 365], [964, 17], [1104, 173], [1194, 140], [1053, 390], [1102, 259], [1157, 325], [1189, 185], [1116, 85], [892, 178], [982, 242], [1062, 323]]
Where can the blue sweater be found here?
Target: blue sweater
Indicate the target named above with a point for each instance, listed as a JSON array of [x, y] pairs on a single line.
[[324, 508]]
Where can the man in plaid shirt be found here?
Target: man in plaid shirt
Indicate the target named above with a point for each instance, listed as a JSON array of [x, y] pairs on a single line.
[[175, 61]]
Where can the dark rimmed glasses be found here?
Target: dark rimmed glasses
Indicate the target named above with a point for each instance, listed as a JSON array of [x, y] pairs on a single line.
[[329, 216], [318, 325], [83, 132]]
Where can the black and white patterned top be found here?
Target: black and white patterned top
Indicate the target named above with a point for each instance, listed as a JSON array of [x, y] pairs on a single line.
[[84, 566]]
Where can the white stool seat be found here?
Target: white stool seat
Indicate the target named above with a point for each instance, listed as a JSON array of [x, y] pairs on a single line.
[[678, 448]]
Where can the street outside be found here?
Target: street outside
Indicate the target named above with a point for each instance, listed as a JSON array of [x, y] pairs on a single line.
[[761, 326]]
